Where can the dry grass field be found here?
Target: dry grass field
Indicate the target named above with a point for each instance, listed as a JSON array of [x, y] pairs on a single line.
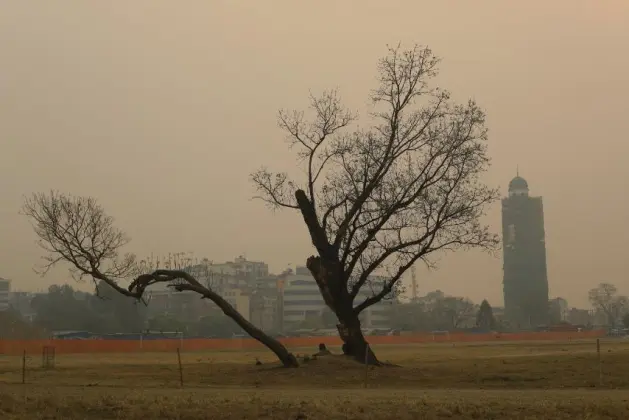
[[523, 380]]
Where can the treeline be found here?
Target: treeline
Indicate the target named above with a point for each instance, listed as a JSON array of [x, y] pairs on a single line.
[[12, 326], [439, 312], [63, 308], [433, 312]]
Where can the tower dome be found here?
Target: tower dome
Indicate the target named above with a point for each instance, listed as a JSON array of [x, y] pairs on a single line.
[[518, 183], [518, 186]]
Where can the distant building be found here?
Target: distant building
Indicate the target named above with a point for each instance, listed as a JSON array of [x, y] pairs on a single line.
[[265, 309], [499, 314], [271, 302], [233, 280], [525, 279], [302, 300], [5, 292], [266, 305], [240, 273], [579, 316], [558, 310], [185, 306], [240, 300], [21, 302]]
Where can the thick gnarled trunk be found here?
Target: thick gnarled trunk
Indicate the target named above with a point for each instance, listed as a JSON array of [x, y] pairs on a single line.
[[355, 344], [337, 298], [329, 274]]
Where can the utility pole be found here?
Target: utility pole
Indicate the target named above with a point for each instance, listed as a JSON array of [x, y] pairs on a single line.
[[414, 283]]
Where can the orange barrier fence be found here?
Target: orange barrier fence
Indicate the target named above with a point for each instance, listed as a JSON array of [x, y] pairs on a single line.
[[16, 347]]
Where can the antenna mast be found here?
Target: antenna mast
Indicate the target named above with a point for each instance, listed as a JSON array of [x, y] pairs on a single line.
[[414, 283]]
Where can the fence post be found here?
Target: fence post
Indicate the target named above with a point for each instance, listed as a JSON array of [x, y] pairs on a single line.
[[366, 364], [180, 367], [600, 362], [48, 357], [24, 367]]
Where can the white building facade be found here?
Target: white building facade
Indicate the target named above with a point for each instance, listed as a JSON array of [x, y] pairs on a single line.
[[223, 277], [302, 299], [240, 300], [233, 280]]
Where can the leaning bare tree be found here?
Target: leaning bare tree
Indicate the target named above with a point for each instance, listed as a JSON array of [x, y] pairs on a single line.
[[76, 230], [377, 200]]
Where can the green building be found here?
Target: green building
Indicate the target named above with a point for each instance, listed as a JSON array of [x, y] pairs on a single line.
[[525, 281]]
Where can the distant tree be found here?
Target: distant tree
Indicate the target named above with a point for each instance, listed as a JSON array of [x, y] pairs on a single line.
[[457, 310], [409, 316], [442, 312], [378, 200], [218, 326], [485, 317], [605, 298], [165, 323], [625, 320], [13, 327], [76, 230], [60, 309], [118, 313], [432, 299]]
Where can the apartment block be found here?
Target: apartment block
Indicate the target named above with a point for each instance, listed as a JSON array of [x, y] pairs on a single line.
[[302, 300], [5, 292]]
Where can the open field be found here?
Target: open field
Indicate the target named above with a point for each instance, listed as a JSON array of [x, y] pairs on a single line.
[[513, 380]]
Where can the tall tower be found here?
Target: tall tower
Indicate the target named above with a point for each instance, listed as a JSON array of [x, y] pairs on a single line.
[[525, 280]]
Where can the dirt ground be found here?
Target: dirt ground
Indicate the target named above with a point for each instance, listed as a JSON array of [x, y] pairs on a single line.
[[462, 381]]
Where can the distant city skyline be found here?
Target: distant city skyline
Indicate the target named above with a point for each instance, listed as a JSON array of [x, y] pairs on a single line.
[[163, 127]]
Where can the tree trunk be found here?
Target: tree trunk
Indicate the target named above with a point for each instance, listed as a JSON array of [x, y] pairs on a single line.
[[282, 353], [336, 297], [327, 271], [287, 358], [354, 341]]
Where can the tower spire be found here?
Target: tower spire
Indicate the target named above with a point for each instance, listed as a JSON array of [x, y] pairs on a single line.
[[517, 170]]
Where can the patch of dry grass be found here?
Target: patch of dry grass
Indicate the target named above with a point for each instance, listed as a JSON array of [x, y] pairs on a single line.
[[77, 403], [481, 381]]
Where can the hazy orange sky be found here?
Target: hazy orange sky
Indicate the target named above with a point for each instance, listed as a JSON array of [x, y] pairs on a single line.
[[161, 109]]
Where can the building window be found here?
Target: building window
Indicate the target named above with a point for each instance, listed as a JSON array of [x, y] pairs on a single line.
[[289, 313], [303, 282], [511, 234], [301, 292], [303, 302]]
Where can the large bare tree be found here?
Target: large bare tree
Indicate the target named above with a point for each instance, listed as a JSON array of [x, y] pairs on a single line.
[[605, 298], [76, 230], [376, 200]]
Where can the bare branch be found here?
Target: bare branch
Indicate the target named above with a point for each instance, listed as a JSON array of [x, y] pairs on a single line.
[[275, 189], [77, 230], [315, 143]]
